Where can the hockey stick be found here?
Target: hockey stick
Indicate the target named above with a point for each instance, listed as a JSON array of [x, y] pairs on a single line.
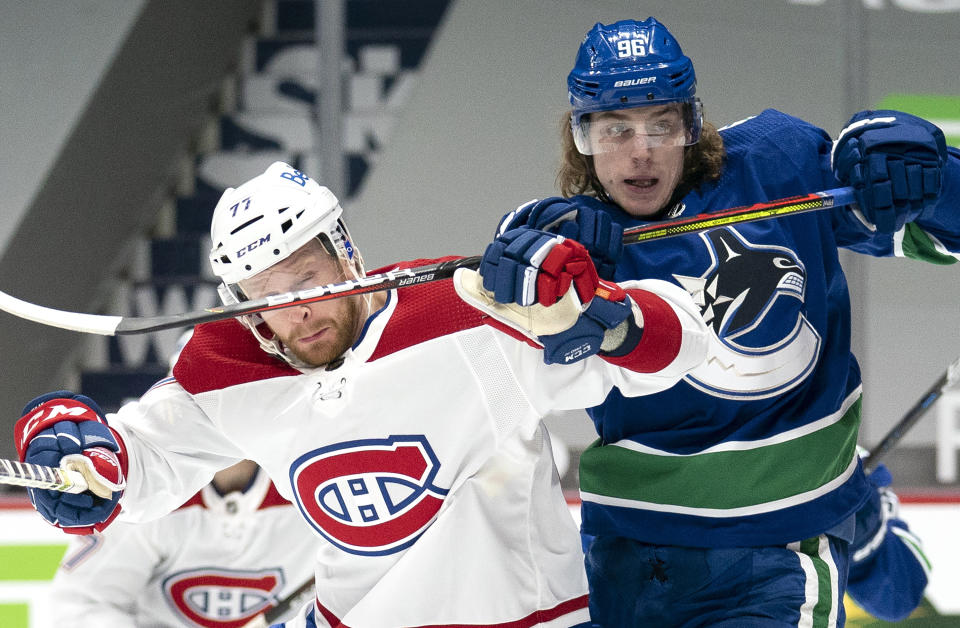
[[296, 599], [946, 379], [119, 325], [789, 206], [39, 476]]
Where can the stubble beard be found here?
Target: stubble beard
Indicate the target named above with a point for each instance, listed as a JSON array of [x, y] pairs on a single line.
[[342, 332]]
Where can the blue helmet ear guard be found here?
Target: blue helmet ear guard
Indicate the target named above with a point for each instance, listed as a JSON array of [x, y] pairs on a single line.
[[631, 64]]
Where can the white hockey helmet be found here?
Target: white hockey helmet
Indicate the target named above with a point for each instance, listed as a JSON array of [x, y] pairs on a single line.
[[264, 221]]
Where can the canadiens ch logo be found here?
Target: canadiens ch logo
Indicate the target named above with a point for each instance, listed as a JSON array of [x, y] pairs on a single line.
[[369, 497], [753, 297], [219, 598]]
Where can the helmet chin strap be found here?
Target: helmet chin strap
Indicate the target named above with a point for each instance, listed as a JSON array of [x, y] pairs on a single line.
[[595, 180]]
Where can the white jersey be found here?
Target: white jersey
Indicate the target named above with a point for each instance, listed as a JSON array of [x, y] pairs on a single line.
[[420, 459], [217, 561]]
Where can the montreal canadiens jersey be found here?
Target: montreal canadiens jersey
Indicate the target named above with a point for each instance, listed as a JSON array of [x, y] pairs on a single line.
[[419, 459], [757, 444], [216, 562]]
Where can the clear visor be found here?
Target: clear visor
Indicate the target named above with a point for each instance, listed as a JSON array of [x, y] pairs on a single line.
[[650, 126], [317, 263]]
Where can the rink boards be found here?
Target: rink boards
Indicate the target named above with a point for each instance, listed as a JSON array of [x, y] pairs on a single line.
[[30, 551]]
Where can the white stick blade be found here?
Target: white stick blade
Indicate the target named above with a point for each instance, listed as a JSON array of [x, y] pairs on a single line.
[[74, 321]]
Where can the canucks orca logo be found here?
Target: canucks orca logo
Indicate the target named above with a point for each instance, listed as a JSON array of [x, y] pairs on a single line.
[[369, 497], [752, 296], [221, 598]]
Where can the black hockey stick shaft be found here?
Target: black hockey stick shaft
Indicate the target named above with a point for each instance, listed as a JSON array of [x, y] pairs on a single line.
[[119, 325], [298, 598], [789, 206], [948, 378]]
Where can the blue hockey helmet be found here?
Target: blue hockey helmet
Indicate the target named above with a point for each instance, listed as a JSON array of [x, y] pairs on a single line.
[[631, 64]]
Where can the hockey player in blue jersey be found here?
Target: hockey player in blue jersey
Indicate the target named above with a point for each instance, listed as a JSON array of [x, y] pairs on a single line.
[[729, 500]]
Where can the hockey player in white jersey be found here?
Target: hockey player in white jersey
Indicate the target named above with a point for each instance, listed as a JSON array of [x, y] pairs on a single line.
[[223, 558], [228, 554], [405, 425]]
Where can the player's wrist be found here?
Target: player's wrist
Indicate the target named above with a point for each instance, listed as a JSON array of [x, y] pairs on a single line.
[[624, 338]]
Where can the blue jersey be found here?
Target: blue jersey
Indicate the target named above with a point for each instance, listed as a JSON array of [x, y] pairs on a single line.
[[757, 446]]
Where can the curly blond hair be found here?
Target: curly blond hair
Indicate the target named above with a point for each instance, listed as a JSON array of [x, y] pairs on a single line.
[[702, 162]]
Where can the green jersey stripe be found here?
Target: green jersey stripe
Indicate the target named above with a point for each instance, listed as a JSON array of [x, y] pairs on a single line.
[[824, 608], [919, 245], [818, 461]]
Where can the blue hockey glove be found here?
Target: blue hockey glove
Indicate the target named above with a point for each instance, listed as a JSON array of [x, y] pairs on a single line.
[[516, 269], [894, 161], [872, 517], [888, 571], [609, 311], [65, 429], [582, 220], [563, 302]]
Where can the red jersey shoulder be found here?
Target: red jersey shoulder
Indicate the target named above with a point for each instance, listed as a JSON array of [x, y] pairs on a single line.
[[196, 500], [224, 353], [424, 312], [273, 498]]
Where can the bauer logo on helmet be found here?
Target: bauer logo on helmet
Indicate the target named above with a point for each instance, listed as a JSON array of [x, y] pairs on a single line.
[[640, 81]]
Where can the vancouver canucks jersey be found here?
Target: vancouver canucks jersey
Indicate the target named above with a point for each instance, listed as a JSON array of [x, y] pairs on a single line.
[[756, 445]]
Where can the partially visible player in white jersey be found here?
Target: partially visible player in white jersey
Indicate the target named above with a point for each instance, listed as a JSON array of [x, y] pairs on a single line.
[[404, 424], [228, 554]]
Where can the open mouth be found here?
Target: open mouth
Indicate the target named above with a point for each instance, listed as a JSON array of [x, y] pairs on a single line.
[[643, 184]]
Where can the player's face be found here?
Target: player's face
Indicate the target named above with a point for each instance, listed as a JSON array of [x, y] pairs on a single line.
[[316, 333], [639, 175]]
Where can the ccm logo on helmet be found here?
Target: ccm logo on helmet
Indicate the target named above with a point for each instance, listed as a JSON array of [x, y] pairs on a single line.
[[640, 81], [256, 243], [369, 497]]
